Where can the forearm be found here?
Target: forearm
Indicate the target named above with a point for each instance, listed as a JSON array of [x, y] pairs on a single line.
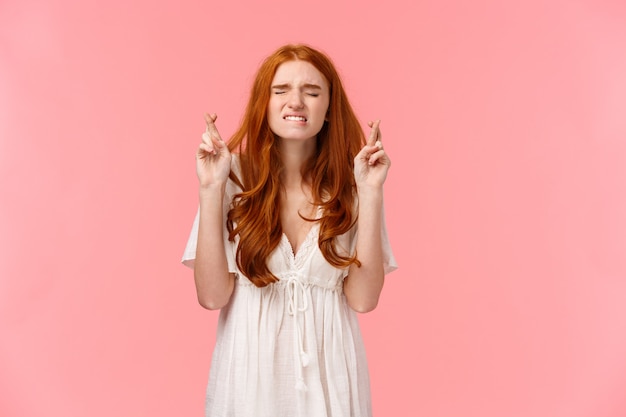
[[364, 283], [214, 284]]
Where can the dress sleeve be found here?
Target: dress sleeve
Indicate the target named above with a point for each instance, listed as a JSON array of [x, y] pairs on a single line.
[[189, 255], [389, 260]]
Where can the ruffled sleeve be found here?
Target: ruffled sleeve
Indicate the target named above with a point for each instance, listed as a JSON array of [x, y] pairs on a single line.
[[189, 255], [389, 261]]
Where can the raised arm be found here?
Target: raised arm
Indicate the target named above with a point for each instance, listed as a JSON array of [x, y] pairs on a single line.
[[214, 284], [364, 284]]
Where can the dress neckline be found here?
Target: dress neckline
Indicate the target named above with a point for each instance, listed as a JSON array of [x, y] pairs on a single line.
[[305, 242], [307, 238]]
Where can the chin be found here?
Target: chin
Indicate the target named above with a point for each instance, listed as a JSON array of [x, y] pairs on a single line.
[[298, 135]]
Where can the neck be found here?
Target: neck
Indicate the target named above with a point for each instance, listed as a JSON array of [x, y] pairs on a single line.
[[294, 154]]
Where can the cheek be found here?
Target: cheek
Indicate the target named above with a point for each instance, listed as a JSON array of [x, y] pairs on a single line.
[[272, 110], [323, 111], [326, 105]]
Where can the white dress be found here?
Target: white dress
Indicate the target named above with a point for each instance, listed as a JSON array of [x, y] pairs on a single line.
[[292, 348]]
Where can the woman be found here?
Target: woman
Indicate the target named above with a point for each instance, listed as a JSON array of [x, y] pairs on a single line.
[[289, 241]]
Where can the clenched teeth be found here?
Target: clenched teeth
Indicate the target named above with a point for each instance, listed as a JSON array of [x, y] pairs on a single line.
[[296, 118]]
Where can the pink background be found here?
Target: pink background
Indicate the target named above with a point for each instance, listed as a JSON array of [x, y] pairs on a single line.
[[506, 202]]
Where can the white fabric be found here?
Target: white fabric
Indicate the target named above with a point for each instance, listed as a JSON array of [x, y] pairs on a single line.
[[292, 348]]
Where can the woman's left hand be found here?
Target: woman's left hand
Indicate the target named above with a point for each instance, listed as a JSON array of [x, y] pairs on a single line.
[[371, 163]]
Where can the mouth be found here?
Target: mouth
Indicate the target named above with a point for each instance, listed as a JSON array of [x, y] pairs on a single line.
[[295, 118]]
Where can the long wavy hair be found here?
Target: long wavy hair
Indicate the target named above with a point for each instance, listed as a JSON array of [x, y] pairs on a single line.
[[254, 215]]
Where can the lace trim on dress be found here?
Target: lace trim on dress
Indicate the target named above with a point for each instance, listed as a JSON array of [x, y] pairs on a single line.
[[297, 291], [297, 259]]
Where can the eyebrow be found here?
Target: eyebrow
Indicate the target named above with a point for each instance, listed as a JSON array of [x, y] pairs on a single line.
[[306, 86]]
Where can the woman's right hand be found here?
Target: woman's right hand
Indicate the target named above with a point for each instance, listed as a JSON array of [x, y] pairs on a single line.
[[212, 157]]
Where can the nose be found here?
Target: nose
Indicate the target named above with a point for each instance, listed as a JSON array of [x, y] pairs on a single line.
[[295, 100]]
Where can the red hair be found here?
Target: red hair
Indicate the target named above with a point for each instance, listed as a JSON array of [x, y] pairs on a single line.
[[255, 212]]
